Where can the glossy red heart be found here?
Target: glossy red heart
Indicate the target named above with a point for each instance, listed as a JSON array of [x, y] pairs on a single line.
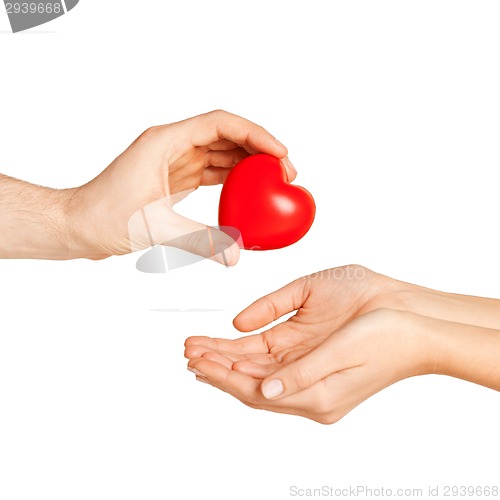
[[268, 211]]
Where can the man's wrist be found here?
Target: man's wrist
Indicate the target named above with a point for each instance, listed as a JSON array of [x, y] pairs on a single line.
[[77, 217], [61, 242], [34, 222]]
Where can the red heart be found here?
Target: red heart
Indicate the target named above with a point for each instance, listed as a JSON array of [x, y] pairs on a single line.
[[257, 200]]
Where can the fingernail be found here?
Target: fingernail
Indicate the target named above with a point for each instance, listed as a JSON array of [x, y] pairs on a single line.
[[203, 380], [221, 247], [195, 371], [286, 161], [273, 388], [220, 255]]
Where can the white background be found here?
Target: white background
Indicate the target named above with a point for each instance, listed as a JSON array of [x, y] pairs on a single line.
[[390, 111]]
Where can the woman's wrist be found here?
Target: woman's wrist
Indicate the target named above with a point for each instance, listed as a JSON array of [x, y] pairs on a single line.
[[479, 311], [459, 350], [419, 343]]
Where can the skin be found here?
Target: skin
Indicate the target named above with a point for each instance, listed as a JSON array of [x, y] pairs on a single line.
[[354, 333], [107, 215]]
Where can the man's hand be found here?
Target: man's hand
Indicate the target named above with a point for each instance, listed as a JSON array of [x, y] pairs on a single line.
[[128, 206]]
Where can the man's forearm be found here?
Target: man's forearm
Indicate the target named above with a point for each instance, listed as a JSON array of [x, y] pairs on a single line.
[[34, 222]]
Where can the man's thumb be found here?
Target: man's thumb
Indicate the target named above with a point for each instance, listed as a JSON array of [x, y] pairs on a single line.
[[205, 241]]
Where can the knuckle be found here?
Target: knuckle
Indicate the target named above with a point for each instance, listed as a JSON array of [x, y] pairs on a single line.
[[218, 113], [252, 405], [321, 419], [252, 400], [322, 407], [358, 271], [355, 272], [344, 274], [382, 315], [325, 408], [327, 419], [304, 376], [357, 267], [271, 307], [149, 133]]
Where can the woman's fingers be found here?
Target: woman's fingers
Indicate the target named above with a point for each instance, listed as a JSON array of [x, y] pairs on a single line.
[[271, 307], [255, 369], [328, 357], [323, 384], [223, 359], [242, 386], [344, 349], [325, 401], [250, 344]]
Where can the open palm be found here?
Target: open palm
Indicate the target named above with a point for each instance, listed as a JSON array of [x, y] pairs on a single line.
[[324, 302]]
